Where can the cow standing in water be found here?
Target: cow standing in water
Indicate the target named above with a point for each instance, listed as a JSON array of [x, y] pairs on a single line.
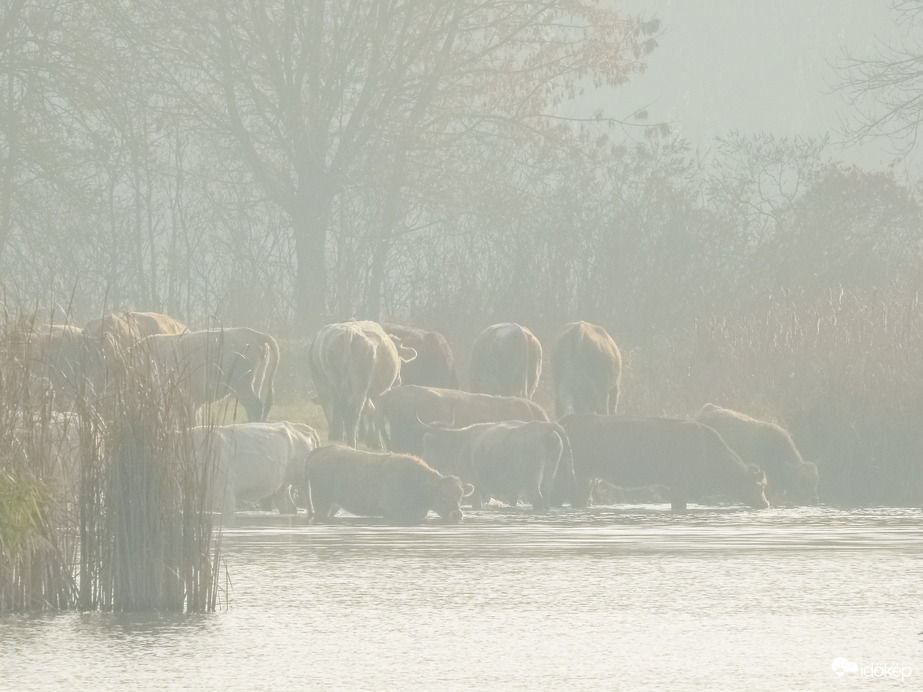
[[253, 461], [587, 370], [353, 364], [688, 457], [771, 447], [398, 487], [506, 360], [515, 458]]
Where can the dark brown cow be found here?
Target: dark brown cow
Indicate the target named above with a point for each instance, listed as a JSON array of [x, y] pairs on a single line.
[[516, 458], [688, 457], [506, 359], [398, 487], [352, 364], [212, 364], [405, 411], [770, 447], [587, 368], [434, 365]]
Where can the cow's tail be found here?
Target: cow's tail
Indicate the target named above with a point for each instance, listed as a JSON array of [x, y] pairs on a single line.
[[381, 422], [270, 363], [565, 481], [309, 503]]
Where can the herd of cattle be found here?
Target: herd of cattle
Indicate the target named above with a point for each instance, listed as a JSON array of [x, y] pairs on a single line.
[[395, 388]]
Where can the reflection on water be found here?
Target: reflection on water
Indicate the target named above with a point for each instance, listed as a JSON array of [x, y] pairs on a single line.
[[609, 598]]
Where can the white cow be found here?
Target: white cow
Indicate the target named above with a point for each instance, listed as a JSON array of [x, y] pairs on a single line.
[[253, 461]]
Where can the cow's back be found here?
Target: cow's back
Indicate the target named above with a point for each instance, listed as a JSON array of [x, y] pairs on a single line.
[[406, 410]]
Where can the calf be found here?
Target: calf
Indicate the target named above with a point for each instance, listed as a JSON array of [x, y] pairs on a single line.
[[398, 487]]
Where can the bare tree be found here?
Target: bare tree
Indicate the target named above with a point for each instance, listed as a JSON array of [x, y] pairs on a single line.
[[322, 98], [886, 89]]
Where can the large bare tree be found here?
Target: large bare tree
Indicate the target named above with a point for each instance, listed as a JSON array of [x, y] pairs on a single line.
[[321, 98]]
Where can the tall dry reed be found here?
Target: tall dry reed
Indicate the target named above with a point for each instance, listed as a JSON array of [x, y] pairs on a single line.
[[124, 520]]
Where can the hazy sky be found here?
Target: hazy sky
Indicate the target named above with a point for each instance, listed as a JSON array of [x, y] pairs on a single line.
[[755, 65]]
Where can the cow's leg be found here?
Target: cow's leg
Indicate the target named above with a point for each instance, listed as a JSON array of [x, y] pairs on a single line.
[[351, 425], [283, 501], [582, 493], [323, 509], [560, 402], [539, 503], [613, 401]]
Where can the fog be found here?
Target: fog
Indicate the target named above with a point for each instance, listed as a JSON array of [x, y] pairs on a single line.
[[757, 66], [205, 209]]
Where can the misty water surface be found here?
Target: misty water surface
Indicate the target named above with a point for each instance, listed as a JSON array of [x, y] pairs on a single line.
[[632, 597]]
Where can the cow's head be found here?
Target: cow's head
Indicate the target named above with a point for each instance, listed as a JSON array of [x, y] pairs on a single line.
[[446, 494]]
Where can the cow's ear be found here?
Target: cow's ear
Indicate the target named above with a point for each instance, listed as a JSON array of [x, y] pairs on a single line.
[[467, 489]]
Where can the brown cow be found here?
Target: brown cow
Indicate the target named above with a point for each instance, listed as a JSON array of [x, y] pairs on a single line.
[[404, 412], [516, 458], [352, 364], [769, 446], [506, 359], [212, 364], [434, 365], [587, 368], [128, 328], [688, 457], [398, 487]]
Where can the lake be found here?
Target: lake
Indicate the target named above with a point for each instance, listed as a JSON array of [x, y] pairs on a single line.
[[627, 597]]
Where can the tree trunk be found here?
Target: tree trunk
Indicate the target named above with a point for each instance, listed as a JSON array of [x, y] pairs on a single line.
[[309, 226]]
